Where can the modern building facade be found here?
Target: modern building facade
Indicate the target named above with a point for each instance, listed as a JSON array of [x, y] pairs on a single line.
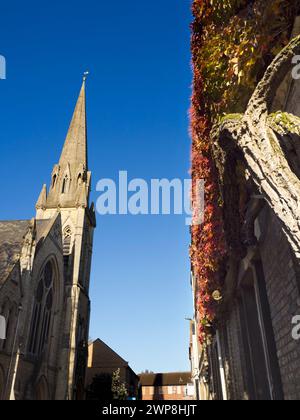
[[44, 281]]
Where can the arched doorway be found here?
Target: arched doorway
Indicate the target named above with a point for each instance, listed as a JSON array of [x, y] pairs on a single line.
[[41, 390]]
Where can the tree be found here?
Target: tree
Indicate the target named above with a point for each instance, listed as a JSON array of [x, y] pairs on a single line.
[[101, 388], [119, 391]]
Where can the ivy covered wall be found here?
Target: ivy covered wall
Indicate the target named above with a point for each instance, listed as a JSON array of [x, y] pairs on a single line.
[[233, 42]]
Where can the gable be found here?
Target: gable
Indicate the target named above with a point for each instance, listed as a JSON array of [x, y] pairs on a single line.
[[11, 241], [48, 228], [101, 355]]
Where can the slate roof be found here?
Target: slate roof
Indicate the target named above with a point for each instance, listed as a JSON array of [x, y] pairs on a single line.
[[165, 379], [42, 227], [12, 233], [11, 240]]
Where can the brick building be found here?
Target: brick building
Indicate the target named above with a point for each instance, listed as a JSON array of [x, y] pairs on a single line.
[[166, 386], [103, 361], [251, 353]]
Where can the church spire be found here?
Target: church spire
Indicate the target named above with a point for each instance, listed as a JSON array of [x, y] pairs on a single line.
[[75, 148], [70, 179]]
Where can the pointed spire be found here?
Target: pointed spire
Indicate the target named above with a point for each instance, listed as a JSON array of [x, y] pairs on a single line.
[[72, 170], [42, 201], [75, 148]]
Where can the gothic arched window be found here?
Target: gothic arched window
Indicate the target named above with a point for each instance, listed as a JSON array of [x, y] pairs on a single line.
[[67, 243], [42, 390], [65, 186], [54, 180], [67, 239], [42, 311]]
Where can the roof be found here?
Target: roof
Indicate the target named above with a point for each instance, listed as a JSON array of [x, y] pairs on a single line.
[[165, 379], [12, 233], [11, 240], [104, 356], [43, 227]]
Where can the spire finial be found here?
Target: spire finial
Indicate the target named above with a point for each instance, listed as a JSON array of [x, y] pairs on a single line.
[[85, 75]]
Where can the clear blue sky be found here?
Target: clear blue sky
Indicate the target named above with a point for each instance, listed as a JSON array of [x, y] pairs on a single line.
[[138, 99]]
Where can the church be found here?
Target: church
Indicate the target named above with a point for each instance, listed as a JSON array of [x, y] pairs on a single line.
[[45, 266]]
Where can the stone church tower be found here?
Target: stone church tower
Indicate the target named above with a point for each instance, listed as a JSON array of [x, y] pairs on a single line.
[[45, 272], [69, 195]]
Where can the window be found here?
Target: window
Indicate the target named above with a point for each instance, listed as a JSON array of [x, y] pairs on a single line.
[[67, 242], [65, 186], [67, 238], [42, 312], [54, 181]]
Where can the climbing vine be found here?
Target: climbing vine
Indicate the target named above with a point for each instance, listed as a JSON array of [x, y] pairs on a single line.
[[233, 42]]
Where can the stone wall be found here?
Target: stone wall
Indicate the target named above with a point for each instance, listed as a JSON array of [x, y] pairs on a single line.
[[281, 277]]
